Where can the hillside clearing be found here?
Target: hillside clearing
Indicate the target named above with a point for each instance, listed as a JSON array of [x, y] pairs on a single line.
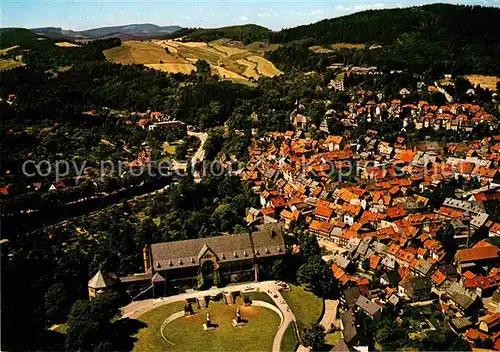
[[318, 49], [225, 74], [265, 67], [173, 67], [338, 46], [229, 50], [6, 50], [250, 68], [137, 52], [67, 45], [489, 82], [236, 63], [7, 64], [262, 47]]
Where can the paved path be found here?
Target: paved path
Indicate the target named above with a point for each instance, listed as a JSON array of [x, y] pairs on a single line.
[[135, 309], [329, 319], [200, 153]]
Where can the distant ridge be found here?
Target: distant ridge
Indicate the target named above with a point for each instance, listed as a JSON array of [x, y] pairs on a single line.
[[129, 31]]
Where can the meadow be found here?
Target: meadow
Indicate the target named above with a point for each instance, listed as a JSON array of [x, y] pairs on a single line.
[[228, 60]]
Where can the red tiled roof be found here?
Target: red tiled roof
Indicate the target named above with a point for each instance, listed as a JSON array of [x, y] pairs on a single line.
[[438, 277], [324, 212], [478, 253]]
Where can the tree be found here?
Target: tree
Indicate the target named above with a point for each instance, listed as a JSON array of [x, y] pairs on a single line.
[[181, 151], [56, 302], [314, 337], [89, 322], [317, 273], [309, 245], [203, 68], [83, 327]]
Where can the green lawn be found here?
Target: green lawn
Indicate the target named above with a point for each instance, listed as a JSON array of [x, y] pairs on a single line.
[[332, 338], [169, 148], [306, 306], [289, 342], [149, 338], [187, 332], [260, 296]]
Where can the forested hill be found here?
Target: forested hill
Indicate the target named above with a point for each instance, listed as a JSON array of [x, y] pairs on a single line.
[[436, 39], [246, 33], [454, 24]]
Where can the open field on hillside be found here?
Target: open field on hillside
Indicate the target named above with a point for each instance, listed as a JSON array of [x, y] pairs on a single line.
[[67, 45], [250, 68], [6, 50], [137, 52], [318, 49], [173, 67], [264, 67], [7, 64], [261, 47], [489, 82], [338, 46], [236, 63]]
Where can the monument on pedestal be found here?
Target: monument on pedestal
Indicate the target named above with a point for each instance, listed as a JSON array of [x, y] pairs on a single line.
[[208, 326], [238, 321]]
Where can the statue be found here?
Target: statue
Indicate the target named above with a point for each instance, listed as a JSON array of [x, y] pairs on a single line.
[[238, 315], [238, 321], [208, 326]]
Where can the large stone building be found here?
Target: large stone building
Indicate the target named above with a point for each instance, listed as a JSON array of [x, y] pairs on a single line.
[[170, 266], [232, 257]]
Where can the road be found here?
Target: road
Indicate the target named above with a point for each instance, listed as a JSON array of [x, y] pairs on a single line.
[[135, 309], [200, 153]]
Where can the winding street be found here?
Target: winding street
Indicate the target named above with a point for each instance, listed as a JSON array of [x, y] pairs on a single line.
[[135, 309]]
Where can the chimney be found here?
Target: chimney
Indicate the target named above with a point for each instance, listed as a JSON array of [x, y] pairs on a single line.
[[145, 257]]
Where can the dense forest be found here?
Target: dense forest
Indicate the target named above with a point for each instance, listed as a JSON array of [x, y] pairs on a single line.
[[436, 23], [438, 38], [245, 33]]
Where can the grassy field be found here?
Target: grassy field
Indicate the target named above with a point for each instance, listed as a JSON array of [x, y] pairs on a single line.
[[67, 45], [6, 50], [7, 64], [261, 47], [236, 63], [264, 67], [260, 296], [489, 82], [187, 332], [173, 68], [338, 46], [250, 68], [149, 338], [306, 306], [289, 342], [318, 49], [331, 339], [169, 148]]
